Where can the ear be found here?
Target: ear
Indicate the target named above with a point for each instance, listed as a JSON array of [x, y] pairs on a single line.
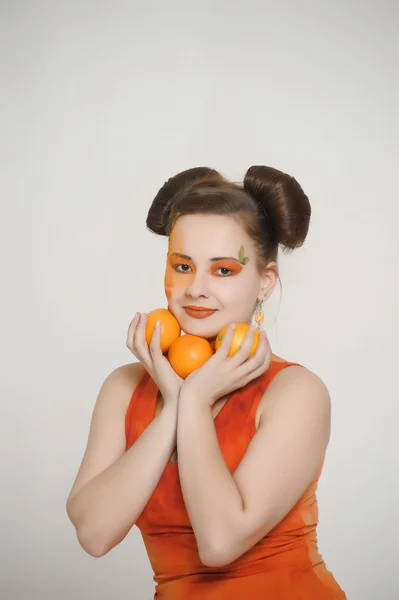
[[268, 281]]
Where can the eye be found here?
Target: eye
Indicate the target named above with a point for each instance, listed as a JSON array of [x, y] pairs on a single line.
[[224, 269], [184, 268]]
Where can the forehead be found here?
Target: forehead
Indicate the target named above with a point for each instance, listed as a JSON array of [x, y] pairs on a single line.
[[209, 235]]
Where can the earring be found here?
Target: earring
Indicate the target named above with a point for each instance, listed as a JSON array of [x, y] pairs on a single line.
[[259, 316]]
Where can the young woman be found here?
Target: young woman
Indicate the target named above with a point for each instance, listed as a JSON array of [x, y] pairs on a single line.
[[219, 471]]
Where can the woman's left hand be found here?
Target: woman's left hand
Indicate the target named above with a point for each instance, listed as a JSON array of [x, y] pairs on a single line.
[[222, 374]]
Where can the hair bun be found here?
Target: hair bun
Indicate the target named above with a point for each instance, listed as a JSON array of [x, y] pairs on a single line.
[[160, 210], [282, 201]]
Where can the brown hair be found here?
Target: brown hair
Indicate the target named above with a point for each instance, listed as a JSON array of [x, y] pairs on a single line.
[[270, 205]]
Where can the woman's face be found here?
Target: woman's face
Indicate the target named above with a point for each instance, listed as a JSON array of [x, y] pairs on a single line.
[[211, 264]]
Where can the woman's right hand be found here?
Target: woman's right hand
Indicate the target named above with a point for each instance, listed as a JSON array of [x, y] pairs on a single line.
[[151, 357]]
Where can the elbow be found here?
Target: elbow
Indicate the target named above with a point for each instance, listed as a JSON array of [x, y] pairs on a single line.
[[225, 552], [214, 559], [216, 555], [96, 542], [93, 536], [93, 544]]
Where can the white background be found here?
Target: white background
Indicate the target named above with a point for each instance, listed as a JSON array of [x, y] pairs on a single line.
[[101, 102]]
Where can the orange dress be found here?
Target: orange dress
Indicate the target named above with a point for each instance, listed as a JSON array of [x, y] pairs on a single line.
[[284, 565]]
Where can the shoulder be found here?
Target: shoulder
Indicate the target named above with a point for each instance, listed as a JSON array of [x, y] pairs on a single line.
[[295, 389], [132, 371], [122, 382]]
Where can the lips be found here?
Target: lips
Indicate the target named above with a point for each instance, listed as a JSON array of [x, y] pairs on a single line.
[[198, 312], [200, 308]]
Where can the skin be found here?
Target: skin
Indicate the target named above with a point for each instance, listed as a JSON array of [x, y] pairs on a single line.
[[232, 286], [230, 513]]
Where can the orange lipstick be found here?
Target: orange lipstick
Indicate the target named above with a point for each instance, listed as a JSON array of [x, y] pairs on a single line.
[[198, 312]]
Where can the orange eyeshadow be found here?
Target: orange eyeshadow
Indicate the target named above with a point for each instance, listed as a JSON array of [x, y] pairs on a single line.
[[234, 266]]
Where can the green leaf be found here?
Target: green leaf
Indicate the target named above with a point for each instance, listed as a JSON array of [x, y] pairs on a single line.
[[241, 256]]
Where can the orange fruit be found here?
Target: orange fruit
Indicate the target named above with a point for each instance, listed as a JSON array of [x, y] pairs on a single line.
[[188, 353], [238, 337], [170, 328]]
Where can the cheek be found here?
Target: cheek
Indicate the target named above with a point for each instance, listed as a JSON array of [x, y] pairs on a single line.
[[239, 296], [174, 284]]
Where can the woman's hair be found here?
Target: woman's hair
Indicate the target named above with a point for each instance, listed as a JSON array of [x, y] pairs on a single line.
[[270, 205]]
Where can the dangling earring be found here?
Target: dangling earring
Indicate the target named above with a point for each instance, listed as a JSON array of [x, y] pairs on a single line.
[[259, 316]]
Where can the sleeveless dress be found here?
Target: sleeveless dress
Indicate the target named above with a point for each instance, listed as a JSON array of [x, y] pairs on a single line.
[[284, 565]]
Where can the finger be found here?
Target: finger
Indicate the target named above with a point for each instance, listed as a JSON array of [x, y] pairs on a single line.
[[140, 341], [224, 348], [132, 330], [243, 353], [155, 343], [254, 374], [256, 366], [258, 358], [262, 352]]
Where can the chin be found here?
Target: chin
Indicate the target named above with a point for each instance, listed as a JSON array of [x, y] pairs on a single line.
[[201, 327], [204, 332]]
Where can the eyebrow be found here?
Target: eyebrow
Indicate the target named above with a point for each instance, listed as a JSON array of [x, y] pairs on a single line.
[[214, 259]]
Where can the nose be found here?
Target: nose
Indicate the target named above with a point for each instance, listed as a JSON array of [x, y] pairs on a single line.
[[198, 286]]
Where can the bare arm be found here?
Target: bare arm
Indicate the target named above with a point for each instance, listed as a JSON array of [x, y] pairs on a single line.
[[113, 486], [231, 512]]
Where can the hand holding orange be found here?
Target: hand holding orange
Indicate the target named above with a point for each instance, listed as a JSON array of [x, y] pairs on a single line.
[[186, 353], [238, 337], [170, 328]]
